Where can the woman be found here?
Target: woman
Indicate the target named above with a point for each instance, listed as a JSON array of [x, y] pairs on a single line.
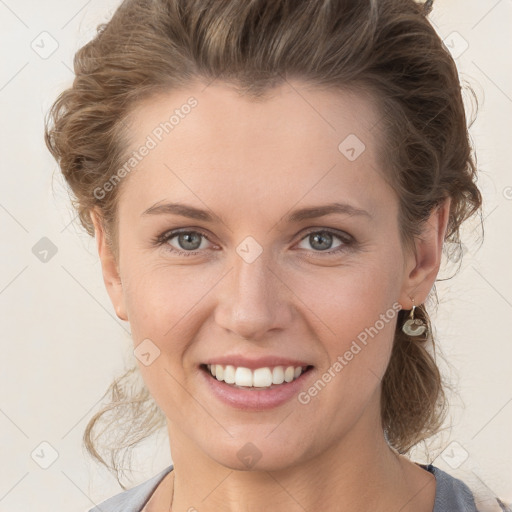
[[270, 184]]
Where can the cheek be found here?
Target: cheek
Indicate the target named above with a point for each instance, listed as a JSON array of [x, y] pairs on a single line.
[[164, 303], [356, 311], [162, 306], [160, 300], [351, 298]]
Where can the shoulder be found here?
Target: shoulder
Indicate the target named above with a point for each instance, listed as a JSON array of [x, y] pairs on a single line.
[[463, 493], [132, 500]]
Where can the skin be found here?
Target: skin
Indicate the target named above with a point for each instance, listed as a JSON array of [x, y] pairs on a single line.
[[252, 163]]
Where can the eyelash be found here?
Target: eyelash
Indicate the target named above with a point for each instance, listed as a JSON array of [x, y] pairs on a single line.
[[162, 239]]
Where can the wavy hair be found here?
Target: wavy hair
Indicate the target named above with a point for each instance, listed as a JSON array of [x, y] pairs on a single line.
[[385, 48]]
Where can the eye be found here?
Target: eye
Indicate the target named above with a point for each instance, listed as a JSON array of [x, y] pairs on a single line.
[[185, 243], [322, 241], [191, 242]]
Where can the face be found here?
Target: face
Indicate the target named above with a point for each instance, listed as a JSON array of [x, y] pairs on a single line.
[[258, 270]]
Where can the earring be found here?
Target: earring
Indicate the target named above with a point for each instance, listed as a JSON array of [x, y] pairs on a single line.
[[412, 326]]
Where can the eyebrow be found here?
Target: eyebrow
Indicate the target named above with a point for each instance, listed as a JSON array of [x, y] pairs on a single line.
[[311, 212], [180, 209]]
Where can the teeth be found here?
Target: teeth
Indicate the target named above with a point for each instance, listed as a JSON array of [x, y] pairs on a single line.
[[229, 374], [278, 375], [259, 378], [243, 377], [262, 378]]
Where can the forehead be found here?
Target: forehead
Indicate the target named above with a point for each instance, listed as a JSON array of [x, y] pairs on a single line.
[[209, 140], [292, 108]]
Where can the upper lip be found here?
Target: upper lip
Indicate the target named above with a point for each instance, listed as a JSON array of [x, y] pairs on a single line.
[[256, 362]]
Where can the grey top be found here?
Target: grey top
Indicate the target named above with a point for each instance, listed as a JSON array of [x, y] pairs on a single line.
[[452, 495]]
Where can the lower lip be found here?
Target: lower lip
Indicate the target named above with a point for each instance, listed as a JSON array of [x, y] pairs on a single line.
[[256, 399]]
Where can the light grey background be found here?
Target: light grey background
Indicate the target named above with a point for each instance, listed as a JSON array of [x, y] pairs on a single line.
[[61, 343]]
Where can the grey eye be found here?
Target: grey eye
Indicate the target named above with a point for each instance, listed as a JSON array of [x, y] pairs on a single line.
[[321, 240], [188, 241]]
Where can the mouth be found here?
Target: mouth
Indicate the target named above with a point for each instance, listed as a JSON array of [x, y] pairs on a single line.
[[264, 378]]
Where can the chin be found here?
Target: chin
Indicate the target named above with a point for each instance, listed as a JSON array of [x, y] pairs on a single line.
[[259, 454]]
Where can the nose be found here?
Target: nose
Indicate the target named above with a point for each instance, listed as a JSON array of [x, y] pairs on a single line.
[[253, 300]]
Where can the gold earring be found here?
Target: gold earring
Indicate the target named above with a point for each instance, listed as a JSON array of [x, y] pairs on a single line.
[[414, 326]]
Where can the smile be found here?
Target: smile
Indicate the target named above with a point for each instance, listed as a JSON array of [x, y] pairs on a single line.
[[262, 378]]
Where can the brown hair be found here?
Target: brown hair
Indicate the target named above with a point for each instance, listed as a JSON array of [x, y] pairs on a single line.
[[386, 48]]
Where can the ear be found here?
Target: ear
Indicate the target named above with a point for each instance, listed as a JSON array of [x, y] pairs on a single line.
[[109, 267], [422, 266]]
